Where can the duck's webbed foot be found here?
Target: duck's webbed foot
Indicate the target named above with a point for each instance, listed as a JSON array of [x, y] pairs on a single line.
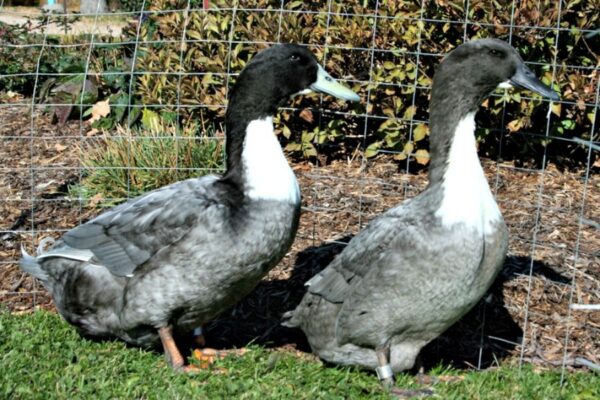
[[206, 356], [425, 380]]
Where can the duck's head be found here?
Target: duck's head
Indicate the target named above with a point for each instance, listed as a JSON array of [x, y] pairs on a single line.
[[282, 71], [486, 64]]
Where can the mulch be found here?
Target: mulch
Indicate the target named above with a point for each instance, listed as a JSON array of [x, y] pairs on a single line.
[[553, 261]]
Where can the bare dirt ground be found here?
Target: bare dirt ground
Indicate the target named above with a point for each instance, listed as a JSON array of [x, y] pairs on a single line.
[[554, 258]]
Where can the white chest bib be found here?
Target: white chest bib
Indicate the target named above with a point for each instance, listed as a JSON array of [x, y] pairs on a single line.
[[467, 197], [267, 172]]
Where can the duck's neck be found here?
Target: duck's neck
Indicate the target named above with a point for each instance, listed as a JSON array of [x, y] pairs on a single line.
[[268, 175], [455, 169], [256, 165]]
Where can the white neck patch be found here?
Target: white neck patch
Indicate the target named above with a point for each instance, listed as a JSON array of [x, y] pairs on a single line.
[[505, 85], [267, 172], [467, 198]]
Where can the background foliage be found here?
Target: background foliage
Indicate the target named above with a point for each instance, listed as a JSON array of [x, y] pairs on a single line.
[[156, 153], [389, 59], [405, 54]]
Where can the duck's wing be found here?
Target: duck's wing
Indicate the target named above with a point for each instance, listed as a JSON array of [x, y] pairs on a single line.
[[379, 276], [399, 278], [130, 234], [335, 282]]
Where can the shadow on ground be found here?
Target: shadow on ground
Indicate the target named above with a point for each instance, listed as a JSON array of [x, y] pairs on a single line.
[[481, 338], [257, 318], [488, 333]]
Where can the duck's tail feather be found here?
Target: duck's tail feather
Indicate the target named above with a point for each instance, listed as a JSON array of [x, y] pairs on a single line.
[[30, 263]]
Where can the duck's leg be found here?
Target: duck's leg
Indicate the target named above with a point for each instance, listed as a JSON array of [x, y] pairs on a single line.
[[198, 337], [386, 377], [384, 370], [204, 356], [172, 353]]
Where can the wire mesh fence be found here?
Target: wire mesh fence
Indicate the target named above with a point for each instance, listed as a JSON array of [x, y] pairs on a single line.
[[100, 107]]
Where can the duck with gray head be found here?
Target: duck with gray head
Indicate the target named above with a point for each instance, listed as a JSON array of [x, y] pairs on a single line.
[[416, 269], [176, 257]]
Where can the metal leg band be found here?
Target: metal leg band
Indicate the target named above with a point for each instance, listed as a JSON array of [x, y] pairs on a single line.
[[384, 372], [197, 331]]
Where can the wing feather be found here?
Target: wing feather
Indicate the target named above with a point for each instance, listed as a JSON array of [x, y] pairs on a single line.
[[336, 282], [129, 235]]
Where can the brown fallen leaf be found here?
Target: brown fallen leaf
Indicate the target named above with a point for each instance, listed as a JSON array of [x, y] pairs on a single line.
[[307, 115], [302, 167], [422, 156], [100, 110], [62, 113], [515, 125], [95, 200]]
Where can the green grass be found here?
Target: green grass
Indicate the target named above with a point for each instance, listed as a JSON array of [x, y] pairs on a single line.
[[133, 161], [41, 356]]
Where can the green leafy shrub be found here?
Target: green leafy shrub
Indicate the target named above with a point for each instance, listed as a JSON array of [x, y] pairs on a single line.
[[16, 60], [389, 60], [407, 49], [56, 69], [106, 78], [23, 56]]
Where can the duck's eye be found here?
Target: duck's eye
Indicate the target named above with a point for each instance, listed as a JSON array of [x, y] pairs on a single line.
[[294, 57], [496, 53]]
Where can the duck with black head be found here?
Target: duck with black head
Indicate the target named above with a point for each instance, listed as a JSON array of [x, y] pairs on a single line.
[[416, 269], [173, 259]]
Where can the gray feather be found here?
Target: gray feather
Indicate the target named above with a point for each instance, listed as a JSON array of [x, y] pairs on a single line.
[[129, 235], [30, 265], [330, 284]]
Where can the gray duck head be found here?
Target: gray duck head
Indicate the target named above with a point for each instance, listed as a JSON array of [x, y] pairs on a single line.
[[483, 65], [473, 70], [466, 76], [270, 79]]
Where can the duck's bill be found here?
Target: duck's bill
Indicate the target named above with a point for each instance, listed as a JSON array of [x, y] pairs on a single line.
[[326, 84], [526, 79]]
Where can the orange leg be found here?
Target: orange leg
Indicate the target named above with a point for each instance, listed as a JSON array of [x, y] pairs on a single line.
[[172, 353]]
